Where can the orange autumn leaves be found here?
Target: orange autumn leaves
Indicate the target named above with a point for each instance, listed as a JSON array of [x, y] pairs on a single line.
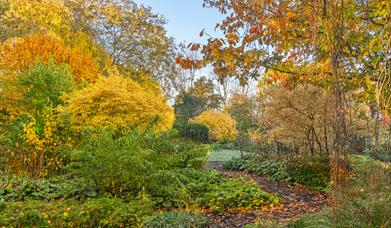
[[21, 54]]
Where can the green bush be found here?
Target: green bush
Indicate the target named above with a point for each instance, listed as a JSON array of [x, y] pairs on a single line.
[[177, 219], [382, 152], [102, 212], [235, 164], [313, 172], [274, 168], [172, 174], [193, 131], [46, 84], [41, 88], [125, 165]]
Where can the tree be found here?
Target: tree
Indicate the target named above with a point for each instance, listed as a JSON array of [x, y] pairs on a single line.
[[184, 79], [227, 88], [115, 33], [200, 97], [26, 17], [300, 117], [188, 106], [21, 54], [222, 126], [245, 109], [289, 36], [204, 89], [132, 35], [119, 103]]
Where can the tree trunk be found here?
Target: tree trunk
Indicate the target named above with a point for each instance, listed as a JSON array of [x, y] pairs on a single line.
[[377, 126], [339, 163]]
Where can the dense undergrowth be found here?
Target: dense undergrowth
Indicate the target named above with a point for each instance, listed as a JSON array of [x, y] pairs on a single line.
[[363, 201], [311, 171], [121, 180]]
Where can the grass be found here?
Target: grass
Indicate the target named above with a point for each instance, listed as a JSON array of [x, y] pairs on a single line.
[[224, 155]]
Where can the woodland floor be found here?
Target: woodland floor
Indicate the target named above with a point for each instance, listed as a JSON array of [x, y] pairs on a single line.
[[297, 200]]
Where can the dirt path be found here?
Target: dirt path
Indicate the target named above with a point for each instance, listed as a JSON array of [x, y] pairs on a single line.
[[297, 200]]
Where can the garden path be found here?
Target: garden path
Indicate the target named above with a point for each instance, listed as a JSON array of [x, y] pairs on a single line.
[[297, 200]]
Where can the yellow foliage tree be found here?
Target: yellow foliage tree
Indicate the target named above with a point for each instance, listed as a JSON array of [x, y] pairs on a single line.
[[120, 103], [220, 124], [25, 17], [21, 54], [61, 19]]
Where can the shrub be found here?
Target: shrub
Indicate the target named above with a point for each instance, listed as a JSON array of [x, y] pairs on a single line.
[[177, 219], [39, 88], [196, 132], [222, 126], [235, 194], [33, 130], [120, 103], [274, 168], [382, 152], [172, 174], [125, 165], [235, 164], [313, 172]]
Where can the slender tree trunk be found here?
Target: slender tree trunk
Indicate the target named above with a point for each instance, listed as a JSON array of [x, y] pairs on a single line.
[[339, 161], [325, 135], [309, 141], [318, 141]]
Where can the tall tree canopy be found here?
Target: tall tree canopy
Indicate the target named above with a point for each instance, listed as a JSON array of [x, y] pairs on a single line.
[[199, 97], [22, 54], [115, 32], [282, 35], [341, 41]]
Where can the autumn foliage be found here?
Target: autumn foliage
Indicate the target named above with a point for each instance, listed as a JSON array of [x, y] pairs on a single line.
[[21, 54], [220, 124], [30, 123], [120, 103]]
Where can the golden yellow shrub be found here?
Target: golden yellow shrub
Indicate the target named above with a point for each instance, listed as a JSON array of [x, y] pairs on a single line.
[[220, 124], [34, 151], [120, 103], [18, 55]]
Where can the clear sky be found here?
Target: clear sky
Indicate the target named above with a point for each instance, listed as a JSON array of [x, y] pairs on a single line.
[[186, 18]]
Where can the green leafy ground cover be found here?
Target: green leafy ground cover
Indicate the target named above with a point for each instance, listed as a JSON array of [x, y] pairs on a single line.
[[114, 180]]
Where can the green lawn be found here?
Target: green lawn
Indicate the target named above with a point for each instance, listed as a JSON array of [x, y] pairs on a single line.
[[224, 155]]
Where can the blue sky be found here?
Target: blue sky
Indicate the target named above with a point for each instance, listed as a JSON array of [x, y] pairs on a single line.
[[186, 18]]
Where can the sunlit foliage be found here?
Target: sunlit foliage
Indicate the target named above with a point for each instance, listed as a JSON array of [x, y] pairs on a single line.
[[220, 124], [31, 127], [119, 103], [21, 54]]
